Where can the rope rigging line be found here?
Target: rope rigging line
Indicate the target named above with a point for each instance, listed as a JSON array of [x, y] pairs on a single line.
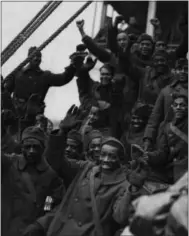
[[25, 28], [50, 39], [28, 31]]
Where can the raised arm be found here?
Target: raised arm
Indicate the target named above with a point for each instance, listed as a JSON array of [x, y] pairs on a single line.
[[85, 83], [61, 79], [121, 207], [56, 146], [157, 29], [102, 54]]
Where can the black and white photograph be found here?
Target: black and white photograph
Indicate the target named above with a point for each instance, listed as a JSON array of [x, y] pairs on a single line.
[[94, 118]]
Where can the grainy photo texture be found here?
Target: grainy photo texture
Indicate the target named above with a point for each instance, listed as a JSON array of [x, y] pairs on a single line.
[[94, 118]]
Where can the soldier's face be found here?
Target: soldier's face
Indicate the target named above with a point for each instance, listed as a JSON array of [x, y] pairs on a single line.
[[94, 148], [93, 116], [160, 63], [41, 123], [109, 157], [160, 45], [105, 76], [182, 71], [145, 47], [36, 61], [137, 123], [20, 106], [118, 83], [122, 40], [72, 149], [32, 150], [180, 108], [49, 127]]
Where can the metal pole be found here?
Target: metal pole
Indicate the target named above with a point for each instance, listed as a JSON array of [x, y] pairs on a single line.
[[94, 20], [51, 38], [103, 15], [23, 37], [152, 5]]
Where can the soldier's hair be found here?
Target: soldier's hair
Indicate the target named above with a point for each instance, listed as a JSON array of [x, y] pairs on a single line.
[[109, 67], [180, 95]]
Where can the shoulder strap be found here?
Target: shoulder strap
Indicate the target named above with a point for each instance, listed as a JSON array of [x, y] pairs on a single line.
[[179, 133], [94, 206]]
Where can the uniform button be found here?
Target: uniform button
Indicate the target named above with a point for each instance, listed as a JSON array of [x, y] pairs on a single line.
[[79, 224], [70, 216], [76, 199]]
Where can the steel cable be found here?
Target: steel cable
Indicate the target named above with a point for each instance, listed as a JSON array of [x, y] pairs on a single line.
[[51, 38], [23, 37]]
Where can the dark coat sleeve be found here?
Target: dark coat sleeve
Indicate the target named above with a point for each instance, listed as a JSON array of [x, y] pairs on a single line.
[[61, 79], [160, 157], [102, 54], [85, 86], [157, 116]]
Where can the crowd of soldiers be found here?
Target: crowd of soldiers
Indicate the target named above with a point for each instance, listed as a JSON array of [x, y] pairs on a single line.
[[117, 164]]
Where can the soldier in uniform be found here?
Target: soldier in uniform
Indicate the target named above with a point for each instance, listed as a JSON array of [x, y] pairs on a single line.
[[27, 180], [155, 78], [171, 158], [106, 95], [120, 61], [162, 111], [134, 136], [32, 80], [90, 206], [92, 144]]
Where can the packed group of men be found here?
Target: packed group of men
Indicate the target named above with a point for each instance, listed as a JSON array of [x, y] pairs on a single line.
[[117, 163]]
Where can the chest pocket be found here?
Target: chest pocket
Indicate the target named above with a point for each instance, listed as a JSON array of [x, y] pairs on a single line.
[[32, 83]]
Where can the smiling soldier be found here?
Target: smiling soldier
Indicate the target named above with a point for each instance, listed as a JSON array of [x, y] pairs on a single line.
[[91, 204]]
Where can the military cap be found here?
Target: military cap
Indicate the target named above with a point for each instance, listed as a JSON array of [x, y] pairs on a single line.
[[115, 143], [35, 133], [90, 136], [143, 37]]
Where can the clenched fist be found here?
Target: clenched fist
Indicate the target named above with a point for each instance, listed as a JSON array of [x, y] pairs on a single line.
[[155, 22], [80, 24]]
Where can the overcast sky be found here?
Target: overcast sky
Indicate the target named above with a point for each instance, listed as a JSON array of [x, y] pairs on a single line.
[[15, 16]]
